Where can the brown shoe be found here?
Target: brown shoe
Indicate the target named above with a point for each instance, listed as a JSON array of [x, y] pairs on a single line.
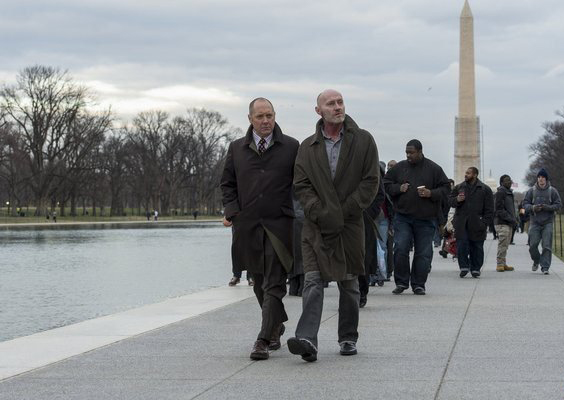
[[508, 268], [234, 281], [275, 339], [500, 268], [260, 350]]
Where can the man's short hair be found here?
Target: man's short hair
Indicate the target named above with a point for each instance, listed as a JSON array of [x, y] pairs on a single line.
[[475, 170], [252, 104], [415, 143], [502, 178]]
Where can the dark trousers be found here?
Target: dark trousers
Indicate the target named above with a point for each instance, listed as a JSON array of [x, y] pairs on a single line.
[[312, 302], [239, 274], [420, 232], [296, 285], [363, 285], [470, 254], [270, 288]]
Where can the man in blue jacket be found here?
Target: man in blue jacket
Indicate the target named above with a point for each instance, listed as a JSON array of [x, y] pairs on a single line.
[[541, 202]]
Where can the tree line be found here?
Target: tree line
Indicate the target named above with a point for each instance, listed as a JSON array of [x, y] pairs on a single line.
[[59, 150], [547, 152]]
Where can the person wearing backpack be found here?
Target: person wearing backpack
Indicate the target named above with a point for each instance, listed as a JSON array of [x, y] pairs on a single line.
[[541, 202]]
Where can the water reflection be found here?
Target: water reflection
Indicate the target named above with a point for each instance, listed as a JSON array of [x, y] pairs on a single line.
[[54, 277]]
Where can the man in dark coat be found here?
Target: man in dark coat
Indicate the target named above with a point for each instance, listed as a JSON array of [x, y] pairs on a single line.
[[505, 220], [257, 196], [474, 205], [417, 187], [296, 276], [336, 178], [370, 216]]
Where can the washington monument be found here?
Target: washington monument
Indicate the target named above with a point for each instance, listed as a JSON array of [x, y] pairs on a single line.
[[467, 124]]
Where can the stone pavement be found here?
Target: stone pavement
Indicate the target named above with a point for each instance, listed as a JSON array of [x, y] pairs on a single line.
[[497, 337]]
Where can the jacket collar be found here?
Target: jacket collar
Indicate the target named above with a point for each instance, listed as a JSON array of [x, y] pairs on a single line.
[[479, 183], [545, 188], [348, 127], [276, 134], [503, 188]]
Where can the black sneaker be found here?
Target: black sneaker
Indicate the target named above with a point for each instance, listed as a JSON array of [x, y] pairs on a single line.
[[304, 348], [475, 274], [362, 301], [463, 273], [348, 348], [545, 271], [535, 267], [419, 291], [398, 290]]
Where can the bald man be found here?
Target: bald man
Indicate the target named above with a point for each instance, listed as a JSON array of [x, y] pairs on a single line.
[[257, 196], [336, 177]]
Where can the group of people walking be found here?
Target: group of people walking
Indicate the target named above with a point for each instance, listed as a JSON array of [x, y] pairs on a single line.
[[344, 201]]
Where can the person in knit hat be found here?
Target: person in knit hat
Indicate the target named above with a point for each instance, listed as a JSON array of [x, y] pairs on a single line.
[[541, 202]]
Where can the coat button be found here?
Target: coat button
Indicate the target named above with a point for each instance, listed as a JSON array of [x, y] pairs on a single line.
[[260, 195]]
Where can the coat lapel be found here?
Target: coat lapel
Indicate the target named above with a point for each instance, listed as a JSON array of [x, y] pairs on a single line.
[[321, 154], [344, 155]]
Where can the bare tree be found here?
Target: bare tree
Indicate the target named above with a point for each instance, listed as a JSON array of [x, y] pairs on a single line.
[[12, 166], [211, 134], [547, 153], [45, 106]]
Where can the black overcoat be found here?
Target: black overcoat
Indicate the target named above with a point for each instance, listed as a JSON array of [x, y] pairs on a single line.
[[475, 213], [257, 196]]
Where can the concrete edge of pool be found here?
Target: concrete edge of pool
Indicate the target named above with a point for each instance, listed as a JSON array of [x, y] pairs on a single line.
[[27, 353]]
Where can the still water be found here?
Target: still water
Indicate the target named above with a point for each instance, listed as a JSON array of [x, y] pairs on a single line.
[[52, 278]]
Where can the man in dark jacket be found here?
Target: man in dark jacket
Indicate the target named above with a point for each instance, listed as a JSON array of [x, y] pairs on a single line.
[[505, 220], [369, 217], [257, 196], [336, 178], [541, 202], [296, 276], [474, 205], [417, 187]]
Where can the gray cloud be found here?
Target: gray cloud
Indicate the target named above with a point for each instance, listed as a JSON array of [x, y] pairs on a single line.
[[394, 61]]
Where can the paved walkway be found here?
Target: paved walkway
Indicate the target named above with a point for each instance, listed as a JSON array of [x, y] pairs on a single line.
[[498, 337]]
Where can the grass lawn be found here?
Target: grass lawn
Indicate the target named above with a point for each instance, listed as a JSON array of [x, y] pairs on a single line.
[[131, 215], [558, 241]]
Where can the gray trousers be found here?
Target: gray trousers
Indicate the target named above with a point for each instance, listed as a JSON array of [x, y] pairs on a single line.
[[537, 234], [312, 300]]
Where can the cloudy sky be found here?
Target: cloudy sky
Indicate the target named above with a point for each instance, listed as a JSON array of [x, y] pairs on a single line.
[[395, 61]]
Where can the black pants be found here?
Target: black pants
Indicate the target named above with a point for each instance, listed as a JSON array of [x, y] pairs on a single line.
[[363, 285], [296, 285], [270, 288], [239, 274], [470, 254]]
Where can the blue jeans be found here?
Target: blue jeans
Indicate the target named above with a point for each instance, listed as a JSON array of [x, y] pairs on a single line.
[[420, 232], [470, 254], [538, 233]]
